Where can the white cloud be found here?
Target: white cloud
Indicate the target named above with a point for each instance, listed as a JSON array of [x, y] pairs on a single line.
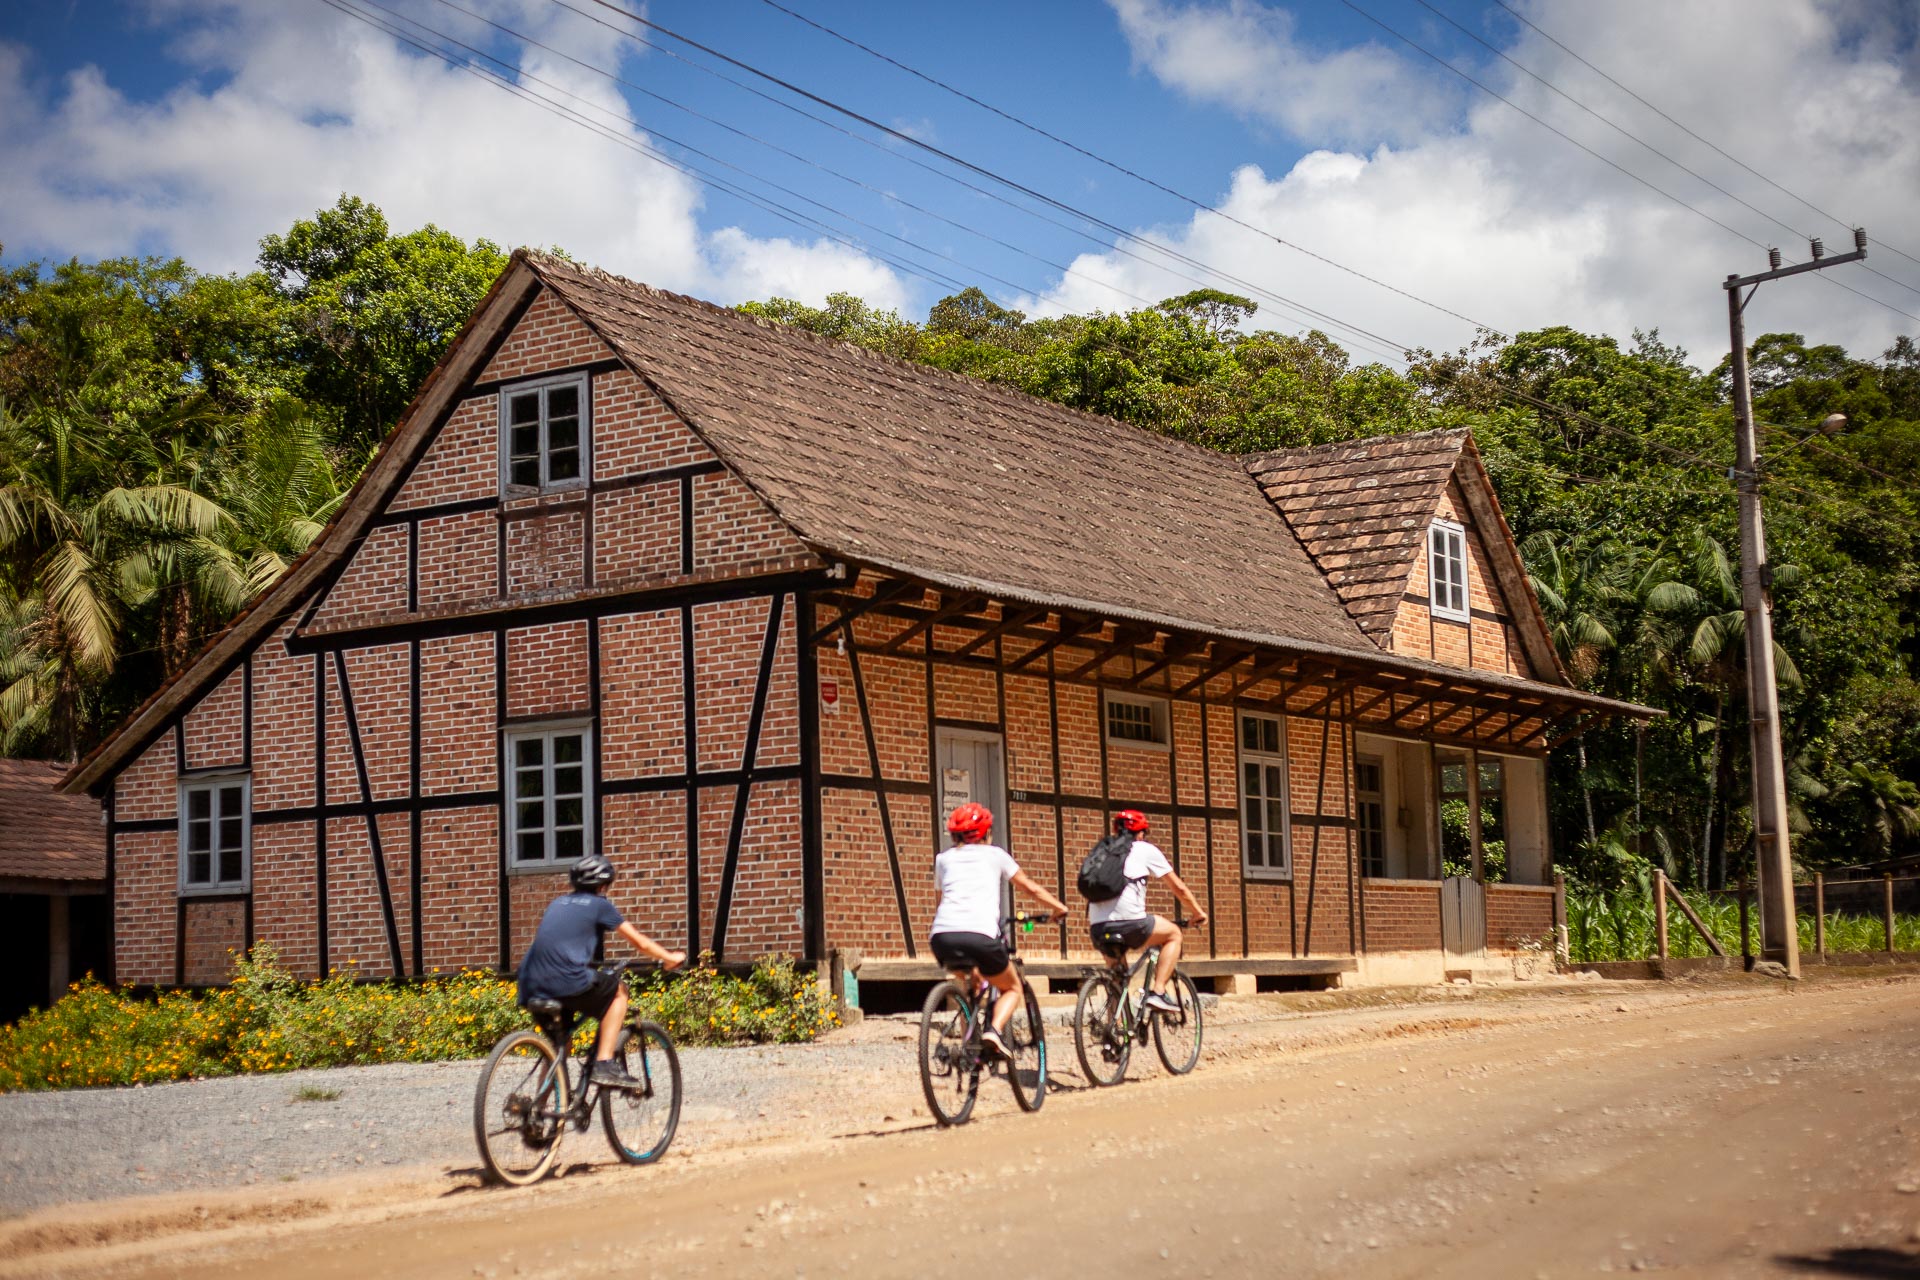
[[295, 104], [1245, 55], [1494, 217]]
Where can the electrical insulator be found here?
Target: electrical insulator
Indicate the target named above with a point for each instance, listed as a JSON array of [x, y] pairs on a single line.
[[1773, 259], [1819, 249], [1860, 239]]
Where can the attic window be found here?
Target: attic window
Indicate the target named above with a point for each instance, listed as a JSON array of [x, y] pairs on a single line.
[[543, 434], [1136, 722], [1447, 570]]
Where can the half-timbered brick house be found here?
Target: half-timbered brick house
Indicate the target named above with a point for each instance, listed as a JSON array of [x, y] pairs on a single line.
[[750, 609]]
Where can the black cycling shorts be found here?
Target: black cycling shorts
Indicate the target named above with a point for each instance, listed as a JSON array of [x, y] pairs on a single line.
[[595, 1000], [1117, 937], [971, 951]]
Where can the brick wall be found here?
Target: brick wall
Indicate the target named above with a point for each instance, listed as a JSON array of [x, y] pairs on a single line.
[[216, 934], [1402, 915], [1518, 914], [215, 733]]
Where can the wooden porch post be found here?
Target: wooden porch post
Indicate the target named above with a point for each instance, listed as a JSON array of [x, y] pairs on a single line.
[[1473, 812], [59, 947]]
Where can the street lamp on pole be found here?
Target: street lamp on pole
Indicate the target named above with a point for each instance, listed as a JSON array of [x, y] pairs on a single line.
[[1779, 929]]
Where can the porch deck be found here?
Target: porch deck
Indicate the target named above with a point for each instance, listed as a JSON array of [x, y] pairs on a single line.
[[1250, 966]]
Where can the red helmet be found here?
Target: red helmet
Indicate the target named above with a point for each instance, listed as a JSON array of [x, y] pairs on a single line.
[[970, 822], [1130, 820]]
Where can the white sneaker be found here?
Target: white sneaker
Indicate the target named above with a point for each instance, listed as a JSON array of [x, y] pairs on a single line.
[[995, 1045], [1162, 1001]]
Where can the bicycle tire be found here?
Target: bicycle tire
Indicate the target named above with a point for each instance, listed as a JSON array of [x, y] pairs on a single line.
[[1027, 1037], [1102, 1049], [1177, 1037], [949, 1071], [640, 1123], [519, 1131]]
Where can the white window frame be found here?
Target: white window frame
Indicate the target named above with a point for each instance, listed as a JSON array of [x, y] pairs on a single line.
[[1156, 709], [1378, 797], [1441, 588], [546, 732], [1264, 760], [212, 785], [544, 387]]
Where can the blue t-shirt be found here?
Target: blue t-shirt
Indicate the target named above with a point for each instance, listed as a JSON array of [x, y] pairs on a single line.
[[559, 963]]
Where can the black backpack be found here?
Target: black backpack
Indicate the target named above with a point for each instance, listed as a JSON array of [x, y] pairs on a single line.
[[1103, 872]]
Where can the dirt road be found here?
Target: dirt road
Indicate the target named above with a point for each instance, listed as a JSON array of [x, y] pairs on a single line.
[[1733, 1130]]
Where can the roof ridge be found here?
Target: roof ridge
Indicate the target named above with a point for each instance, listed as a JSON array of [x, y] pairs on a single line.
[[542, 261], [1298, 453]]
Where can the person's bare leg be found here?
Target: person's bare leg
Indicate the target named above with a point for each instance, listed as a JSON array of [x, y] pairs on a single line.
[[1166, 936], [610, 1024], [1009, 998]]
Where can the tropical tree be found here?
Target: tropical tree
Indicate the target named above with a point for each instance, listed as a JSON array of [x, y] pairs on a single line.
[[1581, 590], [78, 548], [1887, 806]]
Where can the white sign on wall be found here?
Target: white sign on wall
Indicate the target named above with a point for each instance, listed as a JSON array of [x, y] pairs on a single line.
[[956, 789], [830, 697]]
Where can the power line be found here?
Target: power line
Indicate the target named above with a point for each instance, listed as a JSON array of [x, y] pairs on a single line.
[[747, 197], [1117, 167], [1633, 137], [345, 6], [1610, 163], [1523, 19], [909, 140]]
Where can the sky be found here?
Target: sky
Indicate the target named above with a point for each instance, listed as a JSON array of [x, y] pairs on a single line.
[[1352, 167]]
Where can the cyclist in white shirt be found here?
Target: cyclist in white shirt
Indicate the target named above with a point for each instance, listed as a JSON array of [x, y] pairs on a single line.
[[1122, 924], [966, 915]]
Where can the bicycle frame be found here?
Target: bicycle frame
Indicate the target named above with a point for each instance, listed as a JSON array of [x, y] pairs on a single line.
[[559, 1030], [1131, 1024]]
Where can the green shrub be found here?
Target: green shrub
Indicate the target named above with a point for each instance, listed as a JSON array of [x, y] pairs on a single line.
[[268, 1020], [777, 1003]]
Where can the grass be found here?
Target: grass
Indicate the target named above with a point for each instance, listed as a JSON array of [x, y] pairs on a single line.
[[314, 1093], [1620, 926]]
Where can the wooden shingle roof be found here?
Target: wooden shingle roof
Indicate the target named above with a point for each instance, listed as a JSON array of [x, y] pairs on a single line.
[[965, 483], [1361, 508], [45, 835]]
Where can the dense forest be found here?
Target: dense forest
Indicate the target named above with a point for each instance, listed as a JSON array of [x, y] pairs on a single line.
[[170, 439]]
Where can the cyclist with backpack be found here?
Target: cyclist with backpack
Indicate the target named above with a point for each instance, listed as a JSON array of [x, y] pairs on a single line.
[[1113, 880], [966, 917]]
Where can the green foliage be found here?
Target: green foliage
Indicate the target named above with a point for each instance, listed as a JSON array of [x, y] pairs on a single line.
[[267, 1020], [777, 1003], [1621, 926]]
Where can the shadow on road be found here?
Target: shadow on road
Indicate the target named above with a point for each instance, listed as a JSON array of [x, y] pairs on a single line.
[[1874, 1264]]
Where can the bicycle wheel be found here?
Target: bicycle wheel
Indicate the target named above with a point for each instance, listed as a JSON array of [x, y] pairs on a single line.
[[520, 1107], [640, 1122], [949, 1066], [1099, 1032], [1027, 1037], [1177, 1035]]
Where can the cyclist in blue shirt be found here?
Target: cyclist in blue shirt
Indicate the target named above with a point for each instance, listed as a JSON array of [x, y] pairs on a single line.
[[559, 964]]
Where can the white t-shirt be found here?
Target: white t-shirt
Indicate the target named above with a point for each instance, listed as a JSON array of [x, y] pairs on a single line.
[[1143, 860], [969, 877]]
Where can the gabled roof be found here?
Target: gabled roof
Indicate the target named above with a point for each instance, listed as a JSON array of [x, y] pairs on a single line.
[[45, 835], [1361, 508], [964, 482]]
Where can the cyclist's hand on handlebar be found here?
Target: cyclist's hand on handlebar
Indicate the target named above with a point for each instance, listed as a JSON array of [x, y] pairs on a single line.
[[1057, 917], [1197, 918], [673, 960]]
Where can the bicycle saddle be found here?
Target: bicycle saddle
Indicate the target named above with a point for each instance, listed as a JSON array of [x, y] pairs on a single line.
[[541, 1006]]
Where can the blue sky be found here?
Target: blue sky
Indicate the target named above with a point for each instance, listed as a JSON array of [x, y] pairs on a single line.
[[197, 126]]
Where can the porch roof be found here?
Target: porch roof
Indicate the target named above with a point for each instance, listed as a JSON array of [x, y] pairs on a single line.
[[46, 836]]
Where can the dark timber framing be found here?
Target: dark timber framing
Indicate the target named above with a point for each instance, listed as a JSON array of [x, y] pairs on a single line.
[[374, 846]]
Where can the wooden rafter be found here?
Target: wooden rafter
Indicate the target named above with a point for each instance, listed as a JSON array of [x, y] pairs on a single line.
[[1178, 649], [1009, 621], [1080, 627], [1218, 668], [851, 607], [948, 609]]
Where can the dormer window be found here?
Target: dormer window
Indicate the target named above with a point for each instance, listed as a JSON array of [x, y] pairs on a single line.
[[1447, 570], [543, 434]]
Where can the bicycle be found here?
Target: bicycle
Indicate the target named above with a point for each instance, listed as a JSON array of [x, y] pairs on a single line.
[[1107, 1024], [952, 1055], [527, 1094]]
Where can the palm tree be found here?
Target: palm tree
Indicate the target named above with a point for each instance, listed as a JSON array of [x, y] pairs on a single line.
[[78, 549], [280, 488], [1716, 649], [1887, 804], [1580, 592]]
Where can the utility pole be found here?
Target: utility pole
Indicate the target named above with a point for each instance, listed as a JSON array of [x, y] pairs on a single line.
[[1779, 926]]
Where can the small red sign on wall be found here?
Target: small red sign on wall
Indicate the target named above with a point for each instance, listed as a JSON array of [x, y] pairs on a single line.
[[830, 697]]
